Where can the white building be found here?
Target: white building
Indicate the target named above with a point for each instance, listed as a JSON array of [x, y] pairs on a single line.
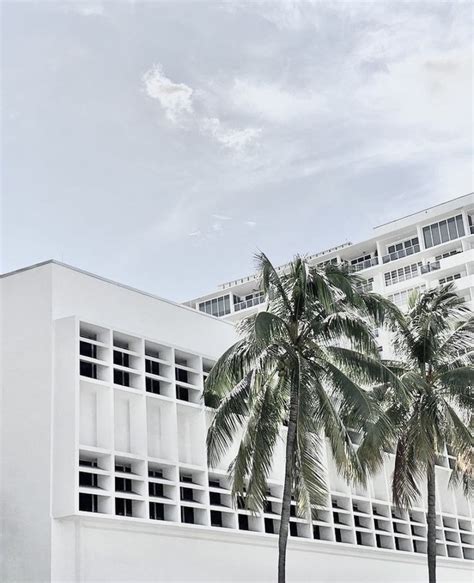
[[421, 250], [103, 466]]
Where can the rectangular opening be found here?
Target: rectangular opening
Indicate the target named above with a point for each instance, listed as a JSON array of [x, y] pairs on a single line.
[[157, 511], [88, 480], [88, 503], [123, 507]]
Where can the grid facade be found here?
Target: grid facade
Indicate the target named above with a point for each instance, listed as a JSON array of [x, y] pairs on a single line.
[[141, 457]]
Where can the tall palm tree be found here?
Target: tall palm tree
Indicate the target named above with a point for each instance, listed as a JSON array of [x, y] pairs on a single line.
[[298, 364], [434, 341]]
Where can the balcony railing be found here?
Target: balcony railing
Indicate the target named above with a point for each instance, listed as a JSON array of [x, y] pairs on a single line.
[[401, 253], [249, 303], [364, 264], [435, 265]]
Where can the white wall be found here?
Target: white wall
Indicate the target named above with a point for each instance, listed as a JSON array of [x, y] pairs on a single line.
[[116, 550], [26, 381]]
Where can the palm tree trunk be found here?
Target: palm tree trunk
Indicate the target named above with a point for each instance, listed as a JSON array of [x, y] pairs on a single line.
[[286, 501], [431, 521]]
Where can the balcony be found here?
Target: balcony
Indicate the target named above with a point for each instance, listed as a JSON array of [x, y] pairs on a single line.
[[401, 253], [364, 264], [434, 266], [249, 303]]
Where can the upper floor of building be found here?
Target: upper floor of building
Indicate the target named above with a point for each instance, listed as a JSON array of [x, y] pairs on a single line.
[[431, 246]]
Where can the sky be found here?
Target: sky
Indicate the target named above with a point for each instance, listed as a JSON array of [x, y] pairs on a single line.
[[161, 144]]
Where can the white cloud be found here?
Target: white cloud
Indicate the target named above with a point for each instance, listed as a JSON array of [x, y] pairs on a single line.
[[221, 217], [234, 139], [250, 224], [175, 98]]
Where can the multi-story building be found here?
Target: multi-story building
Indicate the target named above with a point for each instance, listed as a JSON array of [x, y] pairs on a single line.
[[104, 475], [433, 246]]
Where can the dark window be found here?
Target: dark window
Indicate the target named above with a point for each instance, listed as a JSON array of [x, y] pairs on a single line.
[[181, 375], [87, 369], [267, 507], [293, 510], [293, 529], [378, 541], [397, 544], [155, 489], [121, 358], [358, 538], [153, 385], [182, 393], [214, 484], [269, 526], [243, 522], [215, 499], [337, 518], [155, 473], [121, 378], [157, 511], [87, 349], [216, 518], [88, 463], [125, 468], [240, 502], [88, 502], [123, 507], [186, 478], [152, 367], [187, 494], [187, 515], [87, 480], [316, 532], [123, 485], [338, 535]]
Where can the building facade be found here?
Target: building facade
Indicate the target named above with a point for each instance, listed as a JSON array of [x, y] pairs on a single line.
[[418, 251], [104, 475]]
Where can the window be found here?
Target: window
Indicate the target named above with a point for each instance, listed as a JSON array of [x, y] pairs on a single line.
[[215, 499], [449, 278], [182, 393], [88, 502], [86, 349], [152, 367], [360, 259], [448, 254], [123, 507], [157, 511], [316, 532], [155, 490], [402, 274], [87, 369], [123, 485], [124, 468], [121, 358], [401, 298], [88, 463], [243, 522], [187, 515], [409, 243], [269, 529], [187, 494], [87, 480], [152, 386], [365, 286], [443, 231], [217, 306], [155, 473], [121, 378], [216, 518], [293, 529], [181, 375]]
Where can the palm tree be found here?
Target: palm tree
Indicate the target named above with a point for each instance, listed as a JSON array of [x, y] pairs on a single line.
[[290, 368], [434, 341]]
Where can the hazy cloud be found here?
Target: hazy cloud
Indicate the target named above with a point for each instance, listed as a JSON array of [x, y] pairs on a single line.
[[174, 98]]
